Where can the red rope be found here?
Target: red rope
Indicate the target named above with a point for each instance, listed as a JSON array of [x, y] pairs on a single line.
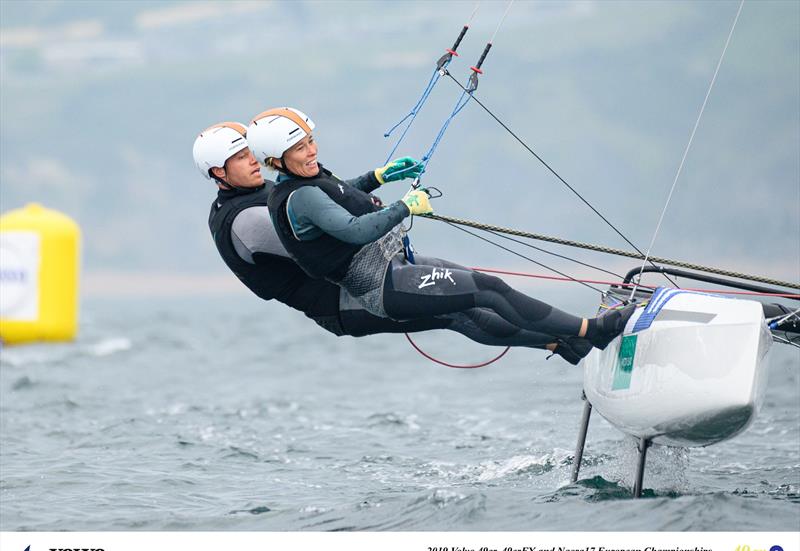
[[456, 366]]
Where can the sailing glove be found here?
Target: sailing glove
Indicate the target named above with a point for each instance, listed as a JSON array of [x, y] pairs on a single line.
[[417, 202], [405, 167]]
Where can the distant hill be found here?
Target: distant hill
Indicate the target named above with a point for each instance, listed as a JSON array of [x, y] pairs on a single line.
[[101, 102]]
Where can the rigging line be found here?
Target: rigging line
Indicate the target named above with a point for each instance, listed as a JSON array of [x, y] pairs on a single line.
[[438, 71], [491, 40], [546, 267], [691, 139], [456, 110], [456, 366], [474, 11], [463, 100], [785, 341], [642, 286], [556, 174], [412, 114], [609, 250], [532, 246]]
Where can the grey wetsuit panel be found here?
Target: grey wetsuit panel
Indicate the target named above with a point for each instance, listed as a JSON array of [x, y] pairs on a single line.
[[252, 232]]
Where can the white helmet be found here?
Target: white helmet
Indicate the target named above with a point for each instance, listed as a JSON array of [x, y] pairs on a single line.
[[218, 143], [274, 131]]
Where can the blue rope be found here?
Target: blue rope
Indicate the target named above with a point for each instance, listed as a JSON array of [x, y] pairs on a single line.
[[413, 113], [466, 95], [460, 104]]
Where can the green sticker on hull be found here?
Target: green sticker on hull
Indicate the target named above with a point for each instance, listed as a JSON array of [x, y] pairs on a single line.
[[624, 367]]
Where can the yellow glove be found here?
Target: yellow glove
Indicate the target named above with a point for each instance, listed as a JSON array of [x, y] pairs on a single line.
[[417, 202]]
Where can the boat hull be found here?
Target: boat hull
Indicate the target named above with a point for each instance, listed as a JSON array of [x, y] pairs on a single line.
[[690, 372]]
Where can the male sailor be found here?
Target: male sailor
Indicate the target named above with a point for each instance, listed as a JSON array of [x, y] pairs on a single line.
[[245, 238], [335, 231]]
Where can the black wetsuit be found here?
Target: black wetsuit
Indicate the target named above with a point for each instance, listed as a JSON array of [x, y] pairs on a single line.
[[246, 239], [429, 287]]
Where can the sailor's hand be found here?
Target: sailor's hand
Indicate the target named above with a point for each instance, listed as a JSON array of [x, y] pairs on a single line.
[[417, 201], [405, 167]]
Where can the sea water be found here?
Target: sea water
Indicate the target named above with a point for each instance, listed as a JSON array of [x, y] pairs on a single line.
[[236, 414]]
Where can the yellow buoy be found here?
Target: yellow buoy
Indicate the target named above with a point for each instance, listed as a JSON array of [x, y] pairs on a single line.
[[39, 263]]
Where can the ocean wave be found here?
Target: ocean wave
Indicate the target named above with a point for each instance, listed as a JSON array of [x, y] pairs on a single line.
[[519, 465], [392, 419], [109, 346]]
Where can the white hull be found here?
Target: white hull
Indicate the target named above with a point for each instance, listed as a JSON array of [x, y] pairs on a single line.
[[694, 377]]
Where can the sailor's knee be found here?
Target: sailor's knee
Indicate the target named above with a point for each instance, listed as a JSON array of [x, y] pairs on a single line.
[[486, 282]]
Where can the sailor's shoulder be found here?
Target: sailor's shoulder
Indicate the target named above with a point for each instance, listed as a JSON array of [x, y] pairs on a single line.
[[308, 196], [254, 215]]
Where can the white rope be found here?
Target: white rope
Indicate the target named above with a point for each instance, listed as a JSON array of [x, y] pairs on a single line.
[[491, 41], [688, 146], [776, 338], [474, 11]]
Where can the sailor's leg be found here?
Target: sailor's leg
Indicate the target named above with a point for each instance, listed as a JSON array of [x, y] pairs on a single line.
[[538, 316], [418, 290], [493, 330], [358, 322], [524, 310], [484, 326], [478, 324]]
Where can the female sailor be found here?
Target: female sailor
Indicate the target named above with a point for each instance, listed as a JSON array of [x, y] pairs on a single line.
[[336, 231]]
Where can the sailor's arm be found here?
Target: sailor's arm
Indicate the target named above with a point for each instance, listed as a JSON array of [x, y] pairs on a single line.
[[311, 207], [366, 182], [399, 169]]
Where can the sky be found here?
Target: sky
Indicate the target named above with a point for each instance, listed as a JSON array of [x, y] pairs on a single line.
[[101, 102]]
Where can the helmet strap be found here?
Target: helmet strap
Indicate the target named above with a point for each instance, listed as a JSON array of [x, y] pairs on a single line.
[[221, 182], [272, 163]]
